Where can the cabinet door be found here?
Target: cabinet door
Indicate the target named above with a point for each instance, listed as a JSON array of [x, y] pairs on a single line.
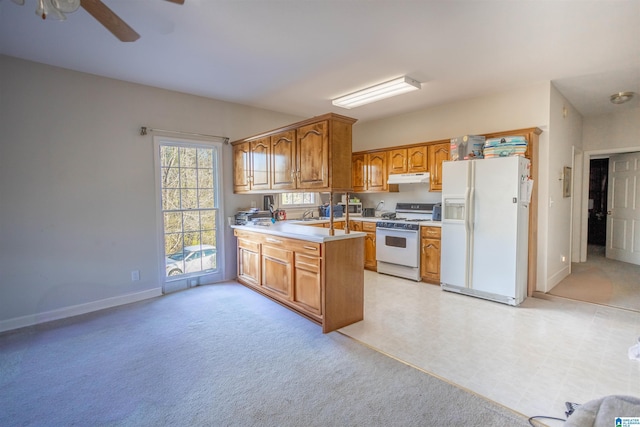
[[438, 153], [277, 270], [398, 161], [241, 167], [417, 159], [307, 291], [283, 153], [430, 260], [377, 173], [359, 172], [370, 252], [355, 225], [249, 262], [312, 149], [260, 164]]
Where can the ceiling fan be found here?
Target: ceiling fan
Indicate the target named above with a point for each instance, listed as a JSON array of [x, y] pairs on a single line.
[[97, 9]]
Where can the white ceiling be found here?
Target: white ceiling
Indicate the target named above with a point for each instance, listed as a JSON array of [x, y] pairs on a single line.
[[294, 56]]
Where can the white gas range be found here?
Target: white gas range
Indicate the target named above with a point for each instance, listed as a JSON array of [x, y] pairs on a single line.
[[398, 240]]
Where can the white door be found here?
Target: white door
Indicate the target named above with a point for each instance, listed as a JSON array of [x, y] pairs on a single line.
[[623, 211]]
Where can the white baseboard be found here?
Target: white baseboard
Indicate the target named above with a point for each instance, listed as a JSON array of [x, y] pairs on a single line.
[[557, 278], [74, 310]]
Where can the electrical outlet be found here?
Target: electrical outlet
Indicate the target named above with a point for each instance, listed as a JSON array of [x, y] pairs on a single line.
[[564, 258], [135, 275], [253, 203]]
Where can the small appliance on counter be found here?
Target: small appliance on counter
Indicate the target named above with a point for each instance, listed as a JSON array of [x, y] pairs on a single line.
[[354, 208], [368, 212], [325, 210], [437, 212], [251, 215]]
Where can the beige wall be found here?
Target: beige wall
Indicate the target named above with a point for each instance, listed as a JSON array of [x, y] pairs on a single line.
[[77, 188]]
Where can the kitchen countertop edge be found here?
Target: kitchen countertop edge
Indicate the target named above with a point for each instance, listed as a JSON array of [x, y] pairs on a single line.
[[299, 231]]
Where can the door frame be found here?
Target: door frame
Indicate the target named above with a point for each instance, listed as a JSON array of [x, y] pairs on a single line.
[[584, 202]]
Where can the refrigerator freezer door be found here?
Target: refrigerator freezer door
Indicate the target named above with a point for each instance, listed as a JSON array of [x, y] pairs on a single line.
[[497, 218], [454, 245]]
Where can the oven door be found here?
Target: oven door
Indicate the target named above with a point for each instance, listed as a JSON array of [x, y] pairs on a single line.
[[398, 246]]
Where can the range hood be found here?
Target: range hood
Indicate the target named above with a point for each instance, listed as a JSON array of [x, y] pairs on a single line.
[[409, 178]]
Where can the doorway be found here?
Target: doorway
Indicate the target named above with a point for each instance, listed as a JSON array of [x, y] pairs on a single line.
[[596, 278]]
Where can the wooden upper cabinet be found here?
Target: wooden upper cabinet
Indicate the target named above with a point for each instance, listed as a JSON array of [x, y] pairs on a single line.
[[359, 170], [313, 156], [377, 172], [438, 153], [417, 159], [241, 169], [398, 161], [260, 164], [283, 160]]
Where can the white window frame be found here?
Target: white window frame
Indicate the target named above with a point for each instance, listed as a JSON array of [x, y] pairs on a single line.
[[314, 203], [184, 281]]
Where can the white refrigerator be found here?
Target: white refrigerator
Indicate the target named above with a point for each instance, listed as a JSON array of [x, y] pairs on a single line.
[[485, 224]]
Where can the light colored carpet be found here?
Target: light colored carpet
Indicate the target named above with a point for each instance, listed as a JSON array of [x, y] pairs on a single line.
[[602, 281], [218, 355]]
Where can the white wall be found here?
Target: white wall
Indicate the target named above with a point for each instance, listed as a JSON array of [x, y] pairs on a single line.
[[77, 188], [565, 132], [512, 109]]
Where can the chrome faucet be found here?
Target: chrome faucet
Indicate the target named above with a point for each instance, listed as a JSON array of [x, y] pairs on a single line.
[[307, 212]]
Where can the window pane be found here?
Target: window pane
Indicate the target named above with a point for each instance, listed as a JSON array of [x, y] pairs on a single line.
[[170, 199], [189, 199], [205, 179], [169, 156], [191, 221], [205, 158], [205, 199], [170, 177], [207, 220], [172, 222], [188, 157], [188, 178], [298, 199]]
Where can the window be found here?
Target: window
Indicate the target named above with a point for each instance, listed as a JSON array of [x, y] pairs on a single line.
[[297, 199], [190, 210]]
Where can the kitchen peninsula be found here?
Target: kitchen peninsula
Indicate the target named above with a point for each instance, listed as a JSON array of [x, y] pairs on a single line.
[[318, 275]]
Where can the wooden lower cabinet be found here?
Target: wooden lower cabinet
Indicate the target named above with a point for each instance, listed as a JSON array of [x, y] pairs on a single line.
[[321, 281], [249, 261], [308, 285], [277, 270], [430, 254], [370, 262]]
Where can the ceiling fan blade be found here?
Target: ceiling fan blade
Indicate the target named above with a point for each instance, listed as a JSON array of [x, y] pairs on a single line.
[[177, 1], [110, 20]]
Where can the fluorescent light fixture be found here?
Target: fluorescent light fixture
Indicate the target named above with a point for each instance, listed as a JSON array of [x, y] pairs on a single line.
[[375, 93]]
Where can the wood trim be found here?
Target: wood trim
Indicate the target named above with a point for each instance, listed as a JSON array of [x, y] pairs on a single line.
[[328, 116]]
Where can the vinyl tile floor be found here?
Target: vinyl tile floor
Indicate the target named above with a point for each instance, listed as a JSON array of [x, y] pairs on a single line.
[[532, 358]]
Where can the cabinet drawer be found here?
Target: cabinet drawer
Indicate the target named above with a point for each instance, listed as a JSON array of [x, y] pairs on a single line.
[[368, 226], [305, 262], [431, 232], [276, 253], [251, 245], [307, 248]]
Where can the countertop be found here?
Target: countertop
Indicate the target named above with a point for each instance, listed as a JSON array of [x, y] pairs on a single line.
[[428, 223], [297, 230]]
